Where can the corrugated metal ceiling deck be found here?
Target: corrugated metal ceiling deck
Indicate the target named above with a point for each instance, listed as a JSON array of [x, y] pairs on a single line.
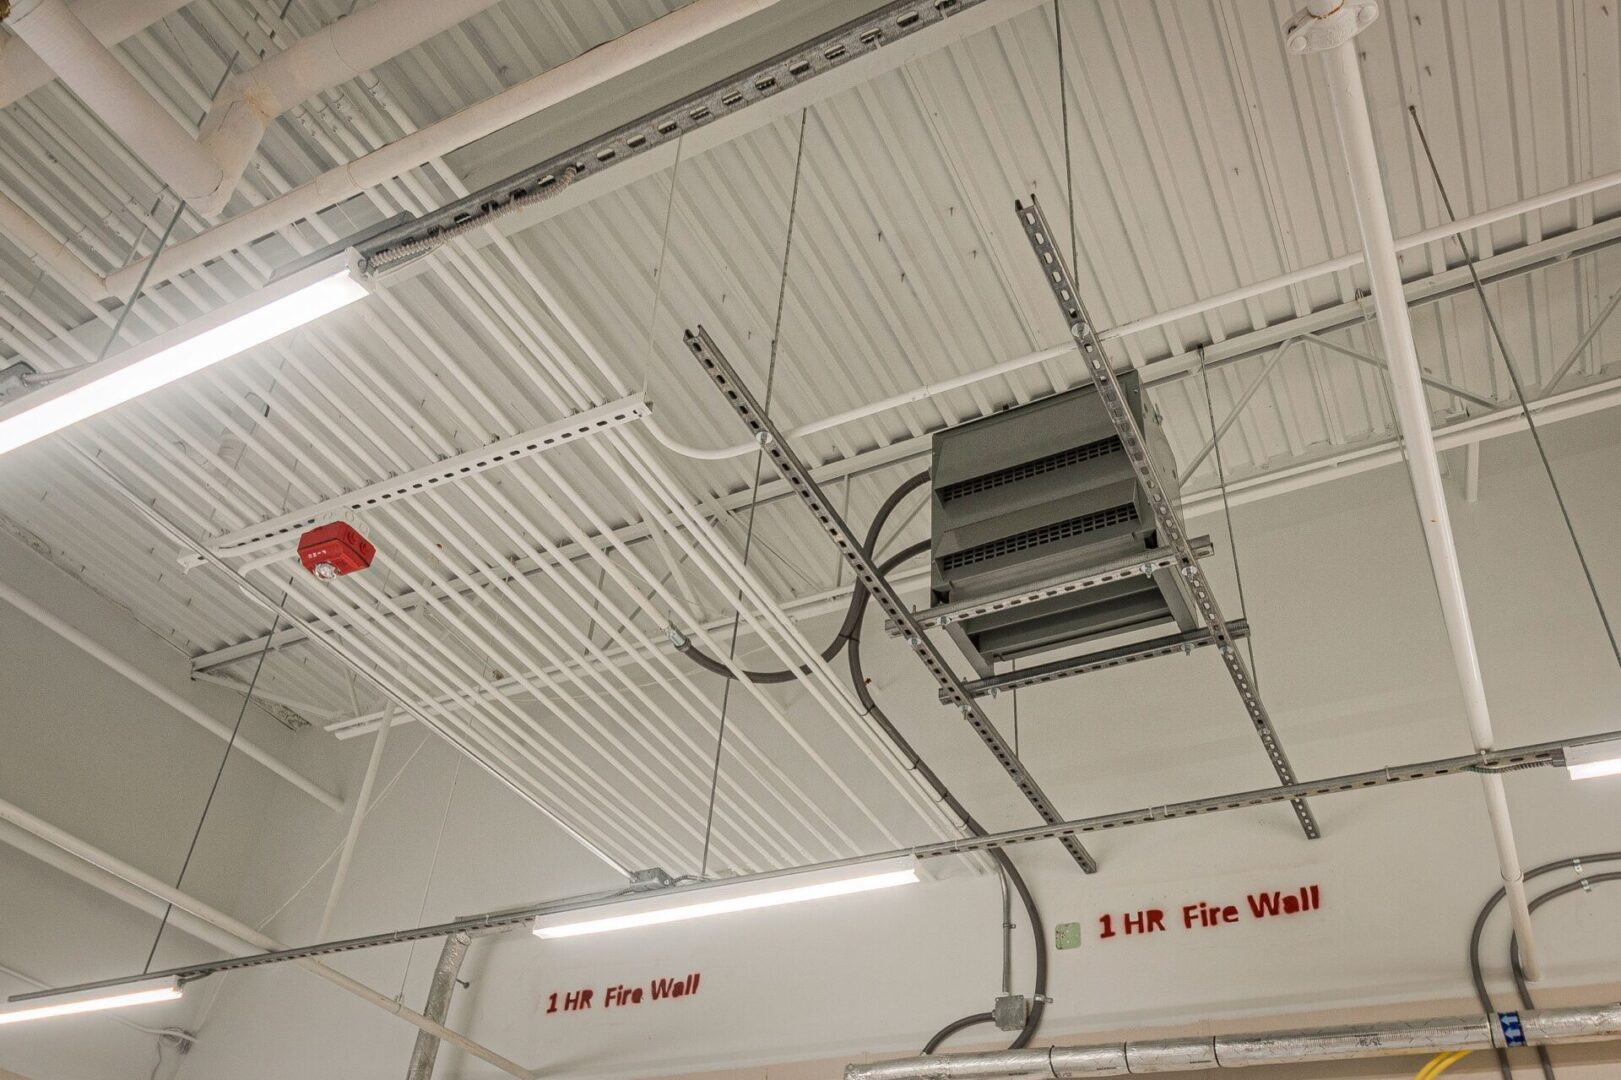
[[1203, 159]]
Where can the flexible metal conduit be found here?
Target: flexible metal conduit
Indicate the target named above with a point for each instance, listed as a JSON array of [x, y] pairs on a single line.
[[1588, 1023]]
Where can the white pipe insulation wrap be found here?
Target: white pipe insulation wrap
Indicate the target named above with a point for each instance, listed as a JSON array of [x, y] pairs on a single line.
[[96, 76], [247, 939], [49, 253], [348, 48], [620, 56], [1344, 75], [1588, 1023], [111, 21]]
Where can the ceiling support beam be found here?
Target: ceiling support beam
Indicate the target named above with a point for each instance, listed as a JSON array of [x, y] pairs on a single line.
[[146, 682], [1329, 28], [245, 937]]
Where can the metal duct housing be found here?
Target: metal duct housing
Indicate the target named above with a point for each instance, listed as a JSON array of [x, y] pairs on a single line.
[[1041, 492]]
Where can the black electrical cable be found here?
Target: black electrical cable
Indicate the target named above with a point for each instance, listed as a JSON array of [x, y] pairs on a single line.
[[852, 615], [1520, 985], [955, 1026], [1481, 993]]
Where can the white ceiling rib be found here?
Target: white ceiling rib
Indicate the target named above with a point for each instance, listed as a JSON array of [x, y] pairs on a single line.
[[1202, 161]]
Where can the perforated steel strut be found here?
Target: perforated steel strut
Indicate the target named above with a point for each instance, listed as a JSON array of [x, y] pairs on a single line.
[[798, 477], [1167, 522]]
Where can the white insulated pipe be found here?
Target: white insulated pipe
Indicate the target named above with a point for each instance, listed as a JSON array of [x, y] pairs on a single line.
[[94, 74], [1540, 1027], [247, 939], [1344, 76], [146, 682], [620, 56], [111, 21], [350, 47]]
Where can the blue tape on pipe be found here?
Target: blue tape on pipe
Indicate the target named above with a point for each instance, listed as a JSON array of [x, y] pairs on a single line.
[[1509, 1022]]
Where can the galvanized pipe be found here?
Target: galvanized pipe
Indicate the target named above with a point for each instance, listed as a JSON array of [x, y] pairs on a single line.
[[1341, 68], [437, 1007], [1588, 1023]]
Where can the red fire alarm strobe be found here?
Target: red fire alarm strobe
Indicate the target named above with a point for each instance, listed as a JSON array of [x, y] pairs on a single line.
[[330, 550]]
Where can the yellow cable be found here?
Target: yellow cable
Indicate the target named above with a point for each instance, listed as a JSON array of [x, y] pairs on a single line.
[[1440, 1063]]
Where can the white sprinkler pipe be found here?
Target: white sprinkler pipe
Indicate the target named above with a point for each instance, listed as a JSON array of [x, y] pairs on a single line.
[[1344, 75], [81, 61], [350, 47], [112, 21]]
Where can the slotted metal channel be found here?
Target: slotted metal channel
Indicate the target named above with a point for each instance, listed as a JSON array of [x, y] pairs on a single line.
[[1119, 656], [1135, 566], [798, 477], [1166, 520]]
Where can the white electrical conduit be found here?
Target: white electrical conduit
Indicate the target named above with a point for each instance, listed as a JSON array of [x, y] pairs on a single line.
[[1151, 322], [493, 288], [492, 291], [248, 940], [1538, 1027], [173, 700], [1344, 75]]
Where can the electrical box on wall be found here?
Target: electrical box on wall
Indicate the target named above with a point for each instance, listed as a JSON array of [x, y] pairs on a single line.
[[1039, 492]]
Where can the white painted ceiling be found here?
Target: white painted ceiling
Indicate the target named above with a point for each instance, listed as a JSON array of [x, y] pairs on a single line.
[[1202, 156]]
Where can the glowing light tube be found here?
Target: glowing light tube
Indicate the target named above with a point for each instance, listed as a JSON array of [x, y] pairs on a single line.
[[1595, 759], [702, 901], [94, 1001], [285, 304]]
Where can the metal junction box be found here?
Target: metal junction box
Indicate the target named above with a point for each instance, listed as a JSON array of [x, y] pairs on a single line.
[[1040, 492]]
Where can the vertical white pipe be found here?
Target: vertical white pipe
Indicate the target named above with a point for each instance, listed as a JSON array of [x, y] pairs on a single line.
[[1396, 330], [356, 818]]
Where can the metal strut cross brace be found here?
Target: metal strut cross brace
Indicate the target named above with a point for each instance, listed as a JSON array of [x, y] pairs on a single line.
[[798, 477], [1167, 522]]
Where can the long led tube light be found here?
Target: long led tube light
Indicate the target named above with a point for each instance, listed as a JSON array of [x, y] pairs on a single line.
[[701, 901], [1594, 760], [285, 304], [95, 1001]]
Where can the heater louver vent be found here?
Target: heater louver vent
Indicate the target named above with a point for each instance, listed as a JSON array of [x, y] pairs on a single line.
[[1075, 455], [1047, 534]]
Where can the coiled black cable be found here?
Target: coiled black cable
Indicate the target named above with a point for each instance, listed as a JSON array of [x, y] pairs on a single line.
[[850, 635], [852, 615], [1475, 973]]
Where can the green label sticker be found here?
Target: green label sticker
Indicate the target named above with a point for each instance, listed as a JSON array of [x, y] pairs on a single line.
[[1067, 935]]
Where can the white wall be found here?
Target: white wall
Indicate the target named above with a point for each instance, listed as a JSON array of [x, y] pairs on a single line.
[[1351, 659]]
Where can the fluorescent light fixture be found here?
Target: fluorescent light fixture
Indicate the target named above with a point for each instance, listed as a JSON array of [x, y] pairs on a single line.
[[719, 898], [285, 304], [1594, 759], [94, 1001]]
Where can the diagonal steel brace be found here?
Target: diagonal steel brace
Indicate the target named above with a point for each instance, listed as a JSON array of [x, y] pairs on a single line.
[[799, 479], [1167, 521]]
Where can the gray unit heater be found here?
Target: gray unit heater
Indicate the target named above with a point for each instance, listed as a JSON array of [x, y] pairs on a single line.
[[1043, 492]]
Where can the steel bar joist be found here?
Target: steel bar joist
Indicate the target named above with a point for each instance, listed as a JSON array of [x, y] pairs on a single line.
[[799, 479], [1167, 522]]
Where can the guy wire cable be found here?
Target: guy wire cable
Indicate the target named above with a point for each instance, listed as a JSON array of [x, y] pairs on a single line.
[[1519, 389]]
